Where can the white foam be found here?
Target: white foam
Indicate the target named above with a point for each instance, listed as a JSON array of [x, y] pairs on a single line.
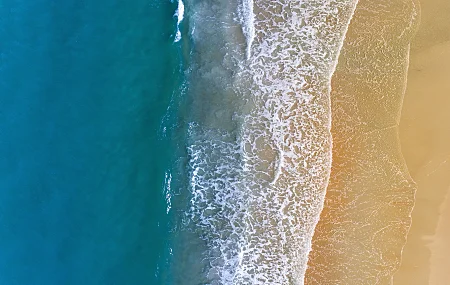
[[179, 13], [256, 194], [279, 165], [168, 190], [247, 18]]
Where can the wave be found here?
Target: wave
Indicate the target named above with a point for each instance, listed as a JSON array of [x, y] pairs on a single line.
[[179, 13], [247, 17], [259, 142]]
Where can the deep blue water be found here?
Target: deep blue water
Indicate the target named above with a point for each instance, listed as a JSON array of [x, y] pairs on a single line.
[[84, 88]]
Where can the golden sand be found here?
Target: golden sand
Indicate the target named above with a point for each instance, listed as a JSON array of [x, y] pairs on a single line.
[[425, 138], [366, 215], [362, 231]]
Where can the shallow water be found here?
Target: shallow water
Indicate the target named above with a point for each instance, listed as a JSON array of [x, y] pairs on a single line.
[[259, 144]]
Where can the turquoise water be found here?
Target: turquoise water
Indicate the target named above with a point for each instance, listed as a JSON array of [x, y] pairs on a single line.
[[85, 140]]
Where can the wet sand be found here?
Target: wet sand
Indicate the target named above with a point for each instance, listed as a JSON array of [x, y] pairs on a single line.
[[440, 247], [425, 140], [366, 215]]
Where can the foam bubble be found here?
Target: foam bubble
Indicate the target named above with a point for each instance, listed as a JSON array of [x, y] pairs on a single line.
[[168, 190], [257, 189], [247, 18], [179, 13]]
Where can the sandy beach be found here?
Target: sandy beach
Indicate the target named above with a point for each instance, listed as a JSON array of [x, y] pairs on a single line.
[[369, 200], [425, 141]]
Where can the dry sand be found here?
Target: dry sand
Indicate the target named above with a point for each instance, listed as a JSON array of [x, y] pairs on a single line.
[[425, 140]]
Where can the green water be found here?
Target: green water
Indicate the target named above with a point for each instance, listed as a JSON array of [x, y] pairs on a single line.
[[85, 88]]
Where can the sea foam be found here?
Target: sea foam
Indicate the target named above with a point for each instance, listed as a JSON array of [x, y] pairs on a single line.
[[259, 146], [179, 13], [247, 18]]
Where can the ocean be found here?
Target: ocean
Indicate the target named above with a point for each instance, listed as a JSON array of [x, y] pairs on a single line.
[[85, 88], [166, 142]]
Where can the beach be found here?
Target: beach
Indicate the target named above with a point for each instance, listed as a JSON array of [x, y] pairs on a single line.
[[225, 142], [387, 209], [366, 216], [440, 248], [405, 133], [425, 137]]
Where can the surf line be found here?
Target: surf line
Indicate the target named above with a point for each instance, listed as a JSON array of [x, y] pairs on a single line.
[[179, 13], [247, 18]]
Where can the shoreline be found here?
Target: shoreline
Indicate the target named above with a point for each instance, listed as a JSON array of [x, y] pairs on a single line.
[[425, 136], [366, 215]]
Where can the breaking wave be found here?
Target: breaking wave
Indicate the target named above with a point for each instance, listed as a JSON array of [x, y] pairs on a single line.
[[259, 142], [179, 13]]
